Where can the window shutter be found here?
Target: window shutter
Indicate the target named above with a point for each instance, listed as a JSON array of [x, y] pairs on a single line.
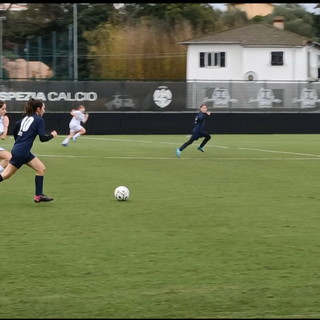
[[201, 59], [222, 59]]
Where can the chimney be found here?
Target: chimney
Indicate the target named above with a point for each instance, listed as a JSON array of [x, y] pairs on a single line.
[[278, 22]]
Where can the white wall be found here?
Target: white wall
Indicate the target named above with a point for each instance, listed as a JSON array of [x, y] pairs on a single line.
[[259, 60], [240, 60], [314, 61]]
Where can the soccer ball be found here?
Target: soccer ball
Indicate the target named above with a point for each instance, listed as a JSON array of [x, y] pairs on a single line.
[[122, 193]]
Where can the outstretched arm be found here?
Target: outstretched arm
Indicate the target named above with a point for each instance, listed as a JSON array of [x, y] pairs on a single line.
[[48, 137]]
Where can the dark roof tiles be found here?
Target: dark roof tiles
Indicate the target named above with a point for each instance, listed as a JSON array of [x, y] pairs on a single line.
[[253, 34]]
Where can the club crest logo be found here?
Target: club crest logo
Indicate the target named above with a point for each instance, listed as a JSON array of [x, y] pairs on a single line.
[[162, 97]]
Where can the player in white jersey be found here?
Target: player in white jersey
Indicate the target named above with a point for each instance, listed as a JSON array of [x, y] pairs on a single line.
[[5, 155], [76, 129]]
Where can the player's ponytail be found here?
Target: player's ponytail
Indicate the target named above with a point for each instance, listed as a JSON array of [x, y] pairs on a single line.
[[32, 105]]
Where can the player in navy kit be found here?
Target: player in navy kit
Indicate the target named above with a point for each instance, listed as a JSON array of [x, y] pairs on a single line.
[[198, 131], [25, 132]]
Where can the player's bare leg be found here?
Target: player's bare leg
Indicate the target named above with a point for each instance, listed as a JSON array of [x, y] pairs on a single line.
[[67, 139]]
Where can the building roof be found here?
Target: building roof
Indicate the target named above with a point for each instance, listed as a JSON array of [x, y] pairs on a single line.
[[253, 34]]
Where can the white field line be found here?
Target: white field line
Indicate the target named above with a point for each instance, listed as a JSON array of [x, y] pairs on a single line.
[[145, 141], [306, 156], [149, 141], [182, 159], [283, 152], [216, 146]]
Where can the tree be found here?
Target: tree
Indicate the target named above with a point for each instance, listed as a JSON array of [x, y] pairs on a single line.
[[143, 44], [90, 17], [297, 19], [134, 52], [51, 22], [316, 24]]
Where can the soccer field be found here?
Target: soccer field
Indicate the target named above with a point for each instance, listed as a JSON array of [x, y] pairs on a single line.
[[230, 233]]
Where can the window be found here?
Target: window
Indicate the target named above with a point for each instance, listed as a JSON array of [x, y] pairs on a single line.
[[277, 58], [212, 59]]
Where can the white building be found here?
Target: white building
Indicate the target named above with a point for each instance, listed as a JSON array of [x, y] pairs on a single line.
[[256, 51]]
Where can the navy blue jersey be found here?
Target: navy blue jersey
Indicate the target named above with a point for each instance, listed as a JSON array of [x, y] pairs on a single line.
[[28, 129], [199, 123]]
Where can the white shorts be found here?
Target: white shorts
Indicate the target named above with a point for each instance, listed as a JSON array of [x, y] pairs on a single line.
[[76, 128], [1, 149]]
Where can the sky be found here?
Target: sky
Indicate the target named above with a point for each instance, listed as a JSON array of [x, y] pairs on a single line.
[[308, 6]]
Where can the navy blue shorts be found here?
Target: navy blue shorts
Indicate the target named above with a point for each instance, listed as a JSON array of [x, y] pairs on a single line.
[[19, 160], [199, 134]]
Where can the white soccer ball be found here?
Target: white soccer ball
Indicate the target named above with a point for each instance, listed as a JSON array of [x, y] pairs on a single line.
[[122, 193]]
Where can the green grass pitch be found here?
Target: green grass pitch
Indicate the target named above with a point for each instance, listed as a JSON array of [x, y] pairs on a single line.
[[230, 233]]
